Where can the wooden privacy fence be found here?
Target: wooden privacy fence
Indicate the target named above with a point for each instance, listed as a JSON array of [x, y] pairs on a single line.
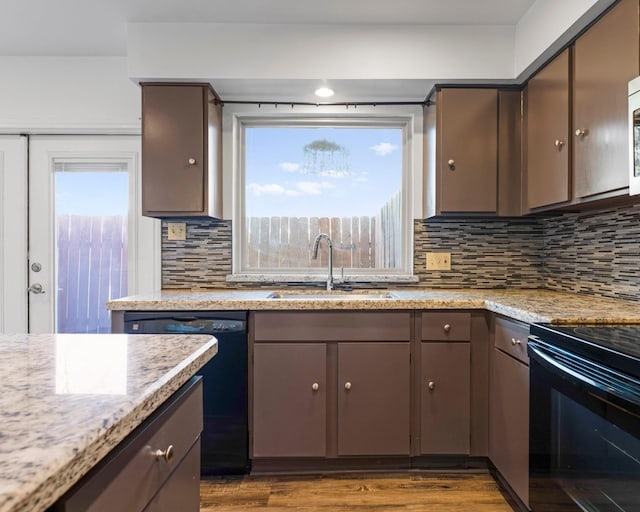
[[358, 242], [91, 269]]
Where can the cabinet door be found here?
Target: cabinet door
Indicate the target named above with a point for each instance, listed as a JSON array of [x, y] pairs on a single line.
[[173, 149], [468, 161], [289, 400], [547, 123], [373, 398], [605, 59], [446, 398], [182, 490], [509, 421]]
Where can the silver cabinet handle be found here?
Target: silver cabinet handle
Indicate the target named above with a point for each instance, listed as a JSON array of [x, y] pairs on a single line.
[[515, 341], [315, 386], [347, 385], [191, 161], [36, 289], [447, 327], [167, 454], [558, 143], [431, 385], [581, 133], [452, 164]]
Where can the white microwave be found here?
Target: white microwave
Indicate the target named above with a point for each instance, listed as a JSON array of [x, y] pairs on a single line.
[[634, 136]]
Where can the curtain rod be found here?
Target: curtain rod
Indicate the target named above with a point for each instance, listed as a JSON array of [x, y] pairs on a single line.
[[348, 104]]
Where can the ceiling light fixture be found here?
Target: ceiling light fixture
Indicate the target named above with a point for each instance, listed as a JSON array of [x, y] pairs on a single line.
[[324, 92]]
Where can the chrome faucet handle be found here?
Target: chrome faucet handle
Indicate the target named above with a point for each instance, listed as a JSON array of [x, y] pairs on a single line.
[[314, 256]]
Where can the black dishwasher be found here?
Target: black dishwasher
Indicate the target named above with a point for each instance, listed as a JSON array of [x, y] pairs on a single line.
[[225, 438]]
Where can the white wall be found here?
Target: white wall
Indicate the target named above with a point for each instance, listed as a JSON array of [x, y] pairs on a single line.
[[206, 51], [549, 25], [67, 94]]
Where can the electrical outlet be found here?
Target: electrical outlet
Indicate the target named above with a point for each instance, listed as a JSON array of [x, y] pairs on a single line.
[[438, 261], [176, 231]]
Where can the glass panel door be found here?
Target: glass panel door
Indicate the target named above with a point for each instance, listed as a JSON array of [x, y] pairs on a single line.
[[87, 240], [91, 211]]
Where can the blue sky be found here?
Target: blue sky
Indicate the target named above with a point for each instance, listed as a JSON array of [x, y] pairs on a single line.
[[92, 193], [358, 182]]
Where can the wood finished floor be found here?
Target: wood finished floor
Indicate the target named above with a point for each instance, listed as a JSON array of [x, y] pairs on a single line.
[[393, 492]]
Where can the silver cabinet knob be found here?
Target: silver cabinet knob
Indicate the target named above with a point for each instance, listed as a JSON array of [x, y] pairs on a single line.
[[36, 267], [315, 386], [36, 289], [347, 385], [447, 327], [515, 341], [558, 143], [191, 161], [581, 133], [167, 454], [431, 385], [452, 164]]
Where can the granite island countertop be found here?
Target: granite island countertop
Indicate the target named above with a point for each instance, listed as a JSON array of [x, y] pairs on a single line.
[[67, 400], [535, 305]]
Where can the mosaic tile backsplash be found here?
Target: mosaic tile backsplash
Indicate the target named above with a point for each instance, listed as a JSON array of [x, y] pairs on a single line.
[[593, 253], [485, 253]]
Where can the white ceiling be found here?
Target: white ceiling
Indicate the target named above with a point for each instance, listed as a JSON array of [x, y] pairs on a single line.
[[99, 27]]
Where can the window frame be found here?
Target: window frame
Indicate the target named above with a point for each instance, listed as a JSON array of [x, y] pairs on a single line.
[[408, 119]]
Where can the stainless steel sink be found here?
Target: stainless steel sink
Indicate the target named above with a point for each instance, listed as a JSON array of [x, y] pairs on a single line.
[[330, 295]]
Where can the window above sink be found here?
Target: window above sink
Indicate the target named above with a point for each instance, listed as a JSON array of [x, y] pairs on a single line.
[[349, 176]]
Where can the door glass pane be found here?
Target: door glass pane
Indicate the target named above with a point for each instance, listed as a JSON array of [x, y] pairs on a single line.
[[91, 208]]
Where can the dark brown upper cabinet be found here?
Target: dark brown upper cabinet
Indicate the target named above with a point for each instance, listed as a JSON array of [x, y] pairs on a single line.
[[464, 177], [605, 58], [547, 151], [576, 115], [181, 157], [472, 152]]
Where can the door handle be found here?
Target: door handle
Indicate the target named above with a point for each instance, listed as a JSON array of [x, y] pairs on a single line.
[[35, 288]]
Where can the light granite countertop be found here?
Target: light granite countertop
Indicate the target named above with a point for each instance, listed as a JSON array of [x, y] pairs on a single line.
[[67, 400], [526, 305]]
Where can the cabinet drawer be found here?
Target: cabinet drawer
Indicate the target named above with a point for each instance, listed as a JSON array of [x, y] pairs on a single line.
[[445, 326], [332, 326], [131, 475], [511, 337]]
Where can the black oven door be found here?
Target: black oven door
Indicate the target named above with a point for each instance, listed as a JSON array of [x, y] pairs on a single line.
[[584, 434]]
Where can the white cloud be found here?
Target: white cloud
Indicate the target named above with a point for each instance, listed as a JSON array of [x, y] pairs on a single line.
[[331, 173], [313, 188], [271, 189], [302, 188], [383, 148], [289, 166]]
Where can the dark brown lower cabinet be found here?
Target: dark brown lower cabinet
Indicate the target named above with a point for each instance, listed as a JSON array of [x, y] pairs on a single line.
[[132, 478], [182, 490], [509, 421], [289, 400], [373, 398], [445, 398], [363, 410]]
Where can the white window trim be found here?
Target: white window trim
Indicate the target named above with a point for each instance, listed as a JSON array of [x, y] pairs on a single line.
[[409, 118]]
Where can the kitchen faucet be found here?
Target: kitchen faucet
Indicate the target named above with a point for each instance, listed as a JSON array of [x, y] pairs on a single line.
[[316, 243]]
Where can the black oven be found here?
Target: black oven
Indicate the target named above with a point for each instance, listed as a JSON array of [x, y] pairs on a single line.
[[584, 418]]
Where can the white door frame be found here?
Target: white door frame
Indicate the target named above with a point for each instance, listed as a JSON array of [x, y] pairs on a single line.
[[144, 233], [13, 233]]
